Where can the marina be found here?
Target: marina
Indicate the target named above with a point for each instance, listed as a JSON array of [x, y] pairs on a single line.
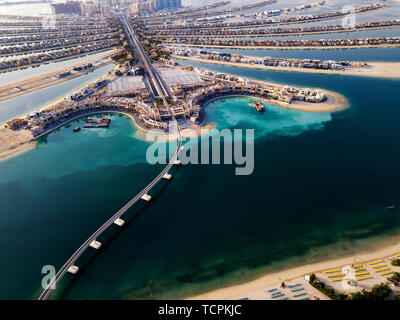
[[96, 123]]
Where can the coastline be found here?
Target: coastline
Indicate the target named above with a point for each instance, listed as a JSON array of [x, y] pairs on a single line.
[[379, 69], [274, 34], [299, 22], [171, 44], [334, 103], [18, 143], [14, 143], [379, 250], [34, 65], [47, 79]]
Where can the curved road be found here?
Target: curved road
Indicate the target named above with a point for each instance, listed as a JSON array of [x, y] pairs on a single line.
[[70, 262]]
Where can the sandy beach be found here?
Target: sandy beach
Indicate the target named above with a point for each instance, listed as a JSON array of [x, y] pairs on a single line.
[[334, 102], [14, 142], [239, 291], [375, 69]]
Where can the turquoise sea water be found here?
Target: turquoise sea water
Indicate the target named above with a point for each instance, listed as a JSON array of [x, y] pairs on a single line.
[[274, 122], [320, 181]]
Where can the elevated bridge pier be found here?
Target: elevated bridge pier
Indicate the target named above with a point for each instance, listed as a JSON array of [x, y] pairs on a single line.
[[146, 197], [167, 176], [73, 270], [95, 245], [119, 222]]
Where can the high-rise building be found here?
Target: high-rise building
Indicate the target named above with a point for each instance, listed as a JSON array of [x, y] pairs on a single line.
[[89, 8], [148, 6], [67, 7], [134, 8], [106, 11], [168, 4], [142, 6]]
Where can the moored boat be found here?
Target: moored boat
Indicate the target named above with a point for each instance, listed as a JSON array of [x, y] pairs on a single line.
[[258, 106]]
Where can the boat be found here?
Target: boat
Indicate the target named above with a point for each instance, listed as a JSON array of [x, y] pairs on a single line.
[[258, 106], [77, 129], [97, 123]]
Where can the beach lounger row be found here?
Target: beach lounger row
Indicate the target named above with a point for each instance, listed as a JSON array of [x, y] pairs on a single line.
[[382, 269], [277, 295], [379, 265], [336, 275], [294, 285], [284, 298], [386, 273], [357, 265], [296, 289], [362, 273], [332, 270], [271, 290], [244, 298], [299, 294], [364, 278], [306, 298], [337, 279], [374, 262]]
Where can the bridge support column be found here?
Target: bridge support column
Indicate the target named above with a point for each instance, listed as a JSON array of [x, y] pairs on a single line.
[[146, 197], [119, 222], [167, 176], [95, 244], [73, 270]]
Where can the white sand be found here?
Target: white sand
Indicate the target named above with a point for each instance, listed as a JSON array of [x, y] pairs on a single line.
[[14, 142], [375, 69], [272, 279]]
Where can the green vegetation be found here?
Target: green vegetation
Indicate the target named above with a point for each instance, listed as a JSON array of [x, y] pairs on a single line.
[[120, 57], [379, 292], [395, 278], [124, 56], [396, 262], [330, 292]]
